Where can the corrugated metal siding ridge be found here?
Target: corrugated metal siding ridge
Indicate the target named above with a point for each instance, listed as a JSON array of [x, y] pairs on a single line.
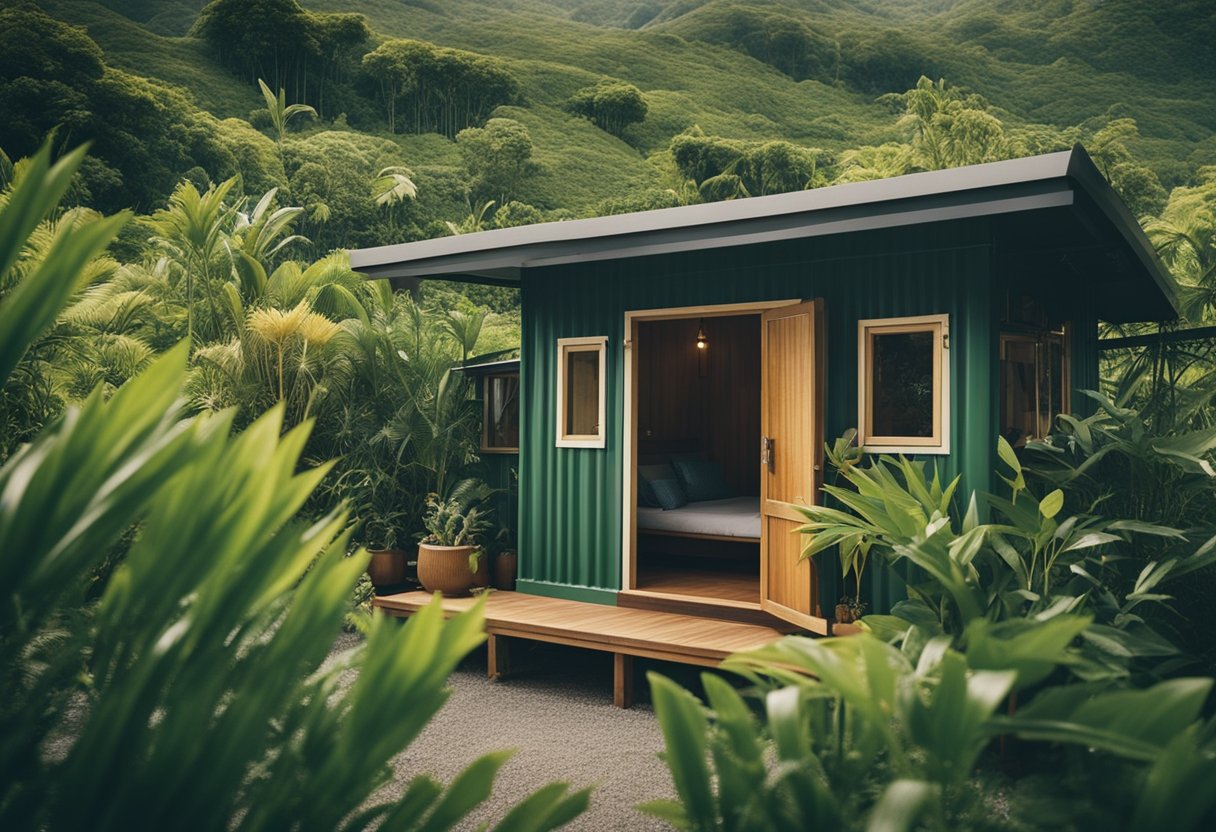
[[571, 513]]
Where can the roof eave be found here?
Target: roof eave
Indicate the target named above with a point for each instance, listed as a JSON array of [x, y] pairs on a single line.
[[867, 195], [1083, 171], [505, 264]]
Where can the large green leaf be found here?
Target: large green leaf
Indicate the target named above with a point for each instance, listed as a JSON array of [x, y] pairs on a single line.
[[1031, 649], [31, 307], [902, 805], [685, 726], [210, 703]]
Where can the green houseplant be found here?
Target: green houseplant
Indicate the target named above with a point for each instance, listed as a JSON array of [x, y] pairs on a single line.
[[389, 565], [379, 504], [451, 557]]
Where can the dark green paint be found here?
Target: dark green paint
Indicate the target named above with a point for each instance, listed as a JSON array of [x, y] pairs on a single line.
[[570, 499]]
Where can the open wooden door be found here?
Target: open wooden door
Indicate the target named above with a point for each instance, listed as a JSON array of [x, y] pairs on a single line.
[[791, 419]]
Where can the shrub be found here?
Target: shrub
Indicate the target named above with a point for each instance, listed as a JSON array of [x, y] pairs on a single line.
[[203, 696], [610, 105]]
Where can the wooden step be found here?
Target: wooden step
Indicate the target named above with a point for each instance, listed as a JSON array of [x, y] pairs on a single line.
[[716, 608]]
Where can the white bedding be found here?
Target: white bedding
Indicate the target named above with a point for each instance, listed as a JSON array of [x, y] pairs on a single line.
[[733, 517]]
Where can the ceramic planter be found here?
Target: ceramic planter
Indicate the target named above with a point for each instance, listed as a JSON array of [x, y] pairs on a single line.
[[504, 570], [445, 569], [388, 569]]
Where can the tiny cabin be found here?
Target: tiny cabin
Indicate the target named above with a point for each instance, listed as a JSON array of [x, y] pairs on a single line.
[[682, 369]]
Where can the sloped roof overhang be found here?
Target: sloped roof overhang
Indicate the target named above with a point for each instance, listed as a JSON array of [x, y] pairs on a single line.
[[1067, 180]]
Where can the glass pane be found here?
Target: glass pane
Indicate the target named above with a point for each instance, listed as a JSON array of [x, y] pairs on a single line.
[[582, 393], [901, 367], [1019, 383], [1051, 377], [502, 412], [1033, 388]]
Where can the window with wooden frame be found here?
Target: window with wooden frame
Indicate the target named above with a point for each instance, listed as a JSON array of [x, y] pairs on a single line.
[[582, 370], [903, 384], [1035, 384], [500, 414]]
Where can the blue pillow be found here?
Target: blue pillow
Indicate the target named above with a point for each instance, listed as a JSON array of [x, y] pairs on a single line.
[[648, 474], [669, 493], [646, 495], [702, 480]]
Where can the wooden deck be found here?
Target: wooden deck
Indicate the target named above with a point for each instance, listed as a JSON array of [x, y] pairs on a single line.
[[737, 587], [624, 632]]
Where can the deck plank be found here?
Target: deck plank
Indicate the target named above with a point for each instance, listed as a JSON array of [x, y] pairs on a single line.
[[622, 630]]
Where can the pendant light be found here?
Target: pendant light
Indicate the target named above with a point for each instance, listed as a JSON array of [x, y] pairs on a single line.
[[702, 341]]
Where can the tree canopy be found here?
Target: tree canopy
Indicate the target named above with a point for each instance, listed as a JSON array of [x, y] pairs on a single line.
[[611, 105], [306, 53], [426, 88], [496, 156]]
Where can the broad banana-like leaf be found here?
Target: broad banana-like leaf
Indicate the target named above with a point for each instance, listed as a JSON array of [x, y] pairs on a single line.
[[685, 726]]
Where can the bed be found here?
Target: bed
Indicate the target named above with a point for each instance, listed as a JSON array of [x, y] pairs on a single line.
[[733, 519]]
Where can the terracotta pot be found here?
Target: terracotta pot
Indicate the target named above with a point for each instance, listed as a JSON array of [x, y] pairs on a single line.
[[846, 629], [388, 568], [445, 569], [504, 570]]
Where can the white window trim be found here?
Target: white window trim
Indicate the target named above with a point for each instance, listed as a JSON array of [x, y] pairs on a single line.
[[598, 343], [892, 445]]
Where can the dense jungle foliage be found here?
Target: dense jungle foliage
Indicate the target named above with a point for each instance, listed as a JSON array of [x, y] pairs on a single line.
[[191, 689], [177, 307], [168, 88]]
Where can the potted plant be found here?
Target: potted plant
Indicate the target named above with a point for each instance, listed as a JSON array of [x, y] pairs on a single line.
[[848, 612], [389, 565], [451, 558], [506, 562], [854, 552]]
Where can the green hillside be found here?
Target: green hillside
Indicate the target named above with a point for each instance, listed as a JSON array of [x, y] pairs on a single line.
[[810, 72]]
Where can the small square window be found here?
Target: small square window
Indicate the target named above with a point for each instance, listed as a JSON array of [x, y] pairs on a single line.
[[581, 379], [903, 385], [500, 422]]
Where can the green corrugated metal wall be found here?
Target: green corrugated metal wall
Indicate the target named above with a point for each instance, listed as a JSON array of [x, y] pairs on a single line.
[[496, 470], [570, 499]]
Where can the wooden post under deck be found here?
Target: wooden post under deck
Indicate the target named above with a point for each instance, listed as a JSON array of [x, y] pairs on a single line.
[[498, 656], [622, 680]]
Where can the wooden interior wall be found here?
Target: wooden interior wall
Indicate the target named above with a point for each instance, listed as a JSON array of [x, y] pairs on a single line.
[[709, 399]]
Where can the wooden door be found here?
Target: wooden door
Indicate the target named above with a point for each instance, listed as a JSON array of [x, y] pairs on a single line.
[[791, 420]]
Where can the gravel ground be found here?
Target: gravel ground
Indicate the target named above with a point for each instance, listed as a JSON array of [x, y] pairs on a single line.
[[556, 710]]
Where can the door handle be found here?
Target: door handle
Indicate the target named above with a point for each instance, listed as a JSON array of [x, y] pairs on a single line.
[[766, 452]]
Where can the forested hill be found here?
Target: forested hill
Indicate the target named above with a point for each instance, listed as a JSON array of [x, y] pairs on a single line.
[[570, 107]]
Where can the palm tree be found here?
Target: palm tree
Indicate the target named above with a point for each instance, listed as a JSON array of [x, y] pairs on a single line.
[[465, 328], [475, 221], [281, 112], [1185, 237], [392, 187], [264, 233], [6, 169], [875, 162], [948, 128], [191, 231]]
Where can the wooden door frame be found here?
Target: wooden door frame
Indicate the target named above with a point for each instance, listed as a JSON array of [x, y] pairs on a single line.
[[629, 452]]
